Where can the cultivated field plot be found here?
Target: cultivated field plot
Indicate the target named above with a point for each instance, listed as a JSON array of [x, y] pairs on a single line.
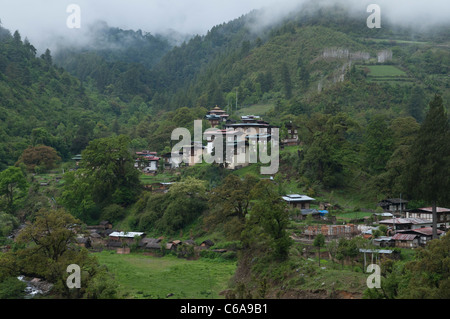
[[388, 73], [141, 276]]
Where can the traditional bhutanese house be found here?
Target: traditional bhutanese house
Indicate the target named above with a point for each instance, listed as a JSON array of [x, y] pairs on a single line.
[[412, 238], [150, 244], [77, 158], [192, 156], [83, 242], [393, 205], [147, 163], [250, 128], [211, 135], [216, 116], [96, 239], [292, 135], [105, 224], [298, 201], [169, 163], [405, 223], [443, 215], [236, 150], [383, 241], [125, 237], [406, 240]]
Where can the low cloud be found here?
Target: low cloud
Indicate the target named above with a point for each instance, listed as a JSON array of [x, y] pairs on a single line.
[[41, 21]]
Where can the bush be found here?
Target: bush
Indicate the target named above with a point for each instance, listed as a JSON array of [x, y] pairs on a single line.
[[12, 288], [113, 213]]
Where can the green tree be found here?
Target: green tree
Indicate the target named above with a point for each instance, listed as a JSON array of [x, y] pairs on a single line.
[[185, 201], [7, 224], [416, 103], [286, 80], [378, 143], [41, 156], [428, 168], [319, 242], [13, 186], [270, 216], [109, 165], [229, 204], [12, 288]]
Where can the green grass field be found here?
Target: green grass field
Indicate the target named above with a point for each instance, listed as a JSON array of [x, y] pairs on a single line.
[[385, 71], [146, 277]]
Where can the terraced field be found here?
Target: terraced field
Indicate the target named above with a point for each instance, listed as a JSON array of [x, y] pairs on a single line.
[[387, 73]]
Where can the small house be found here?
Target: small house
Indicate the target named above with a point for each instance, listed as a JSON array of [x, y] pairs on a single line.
[[291, 137], [426, 213], [298, 201], [125, 237], [413, 238], [105, 224], [406, 240], [393, 205], [83, 242], [405, 223], [383, 241], [150, 244], [168, 162]]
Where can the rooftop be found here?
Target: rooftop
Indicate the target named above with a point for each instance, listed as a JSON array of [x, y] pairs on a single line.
[[394, 201], [438, 209], [297, 198], [414, 221], [400, 236], [428, 231], [125, 234]]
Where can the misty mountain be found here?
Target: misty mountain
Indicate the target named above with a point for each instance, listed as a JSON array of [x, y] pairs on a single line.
[[115, 44]]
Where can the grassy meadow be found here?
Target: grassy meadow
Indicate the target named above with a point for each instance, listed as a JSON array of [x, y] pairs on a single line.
[[146, 277]]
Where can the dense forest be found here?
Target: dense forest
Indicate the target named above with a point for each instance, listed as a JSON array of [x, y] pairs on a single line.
[[370, 105]]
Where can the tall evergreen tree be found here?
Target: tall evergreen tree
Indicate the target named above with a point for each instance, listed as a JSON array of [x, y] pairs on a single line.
[[286, 80], [416, 103], [429, 164]]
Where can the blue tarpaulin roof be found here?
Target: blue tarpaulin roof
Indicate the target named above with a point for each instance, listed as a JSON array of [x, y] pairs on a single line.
[[323, 212]]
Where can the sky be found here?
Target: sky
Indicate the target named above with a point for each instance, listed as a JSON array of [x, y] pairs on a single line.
[[42, 20]]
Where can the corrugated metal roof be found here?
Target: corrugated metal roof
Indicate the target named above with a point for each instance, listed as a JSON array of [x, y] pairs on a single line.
[[438, 209], [379, 251], [297, 198], [125, 234], [404, 236], [423, 231], [414, 221]]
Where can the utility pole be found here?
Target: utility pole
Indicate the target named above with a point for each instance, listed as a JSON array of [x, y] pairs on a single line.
[[236, 98]]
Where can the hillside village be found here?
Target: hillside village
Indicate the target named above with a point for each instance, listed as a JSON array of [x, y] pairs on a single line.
[[405, 228]]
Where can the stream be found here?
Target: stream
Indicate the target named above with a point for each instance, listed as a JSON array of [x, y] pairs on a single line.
[[35, 287]]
